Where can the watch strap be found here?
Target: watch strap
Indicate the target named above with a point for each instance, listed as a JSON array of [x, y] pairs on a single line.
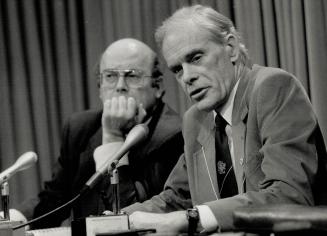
[[193, 220]]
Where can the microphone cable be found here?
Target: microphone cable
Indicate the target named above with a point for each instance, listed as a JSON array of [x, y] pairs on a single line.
[[46, 214], [137, 134]]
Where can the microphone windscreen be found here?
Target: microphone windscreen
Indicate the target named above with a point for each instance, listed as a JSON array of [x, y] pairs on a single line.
[[26, 161]]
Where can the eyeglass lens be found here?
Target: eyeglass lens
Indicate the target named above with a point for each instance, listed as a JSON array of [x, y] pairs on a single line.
[[131, 77]]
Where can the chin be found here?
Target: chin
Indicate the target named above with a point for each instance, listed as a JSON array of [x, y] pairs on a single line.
[[205, 107]]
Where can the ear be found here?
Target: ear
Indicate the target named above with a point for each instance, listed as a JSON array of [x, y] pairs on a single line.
[[233, 48]]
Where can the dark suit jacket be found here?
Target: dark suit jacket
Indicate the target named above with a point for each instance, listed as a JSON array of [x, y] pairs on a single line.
[[279, 151], [150, 165]]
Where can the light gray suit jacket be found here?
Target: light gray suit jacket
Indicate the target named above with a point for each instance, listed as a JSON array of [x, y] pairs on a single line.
[[277, 148]]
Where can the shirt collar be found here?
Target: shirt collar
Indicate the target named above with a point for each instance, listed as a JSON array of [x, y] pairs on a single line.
[[227, 109]]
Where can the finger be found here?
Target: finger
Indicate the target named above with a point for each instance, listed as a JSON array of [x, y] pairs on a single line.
[[106, 104], [131, 107], [114, 107], [131, 221], [107, 213], [106, 108], [122, 106]]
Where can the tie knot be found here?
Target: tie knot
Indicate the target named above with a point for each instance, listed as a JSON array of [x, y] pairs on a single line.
[[220, 122]]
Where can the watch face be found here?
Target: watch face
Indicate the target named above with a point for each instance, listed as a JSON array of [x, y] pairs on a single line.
[[193, 219], [193, 213]]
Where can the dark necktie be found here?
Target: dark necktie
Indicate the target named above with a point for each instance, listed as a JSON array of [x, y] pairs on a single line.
[[226, 176]]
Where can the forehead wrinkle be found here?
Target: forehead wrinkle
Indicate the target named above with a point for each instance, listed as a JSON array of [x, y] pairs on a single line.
[[184, 38], [127, 56]]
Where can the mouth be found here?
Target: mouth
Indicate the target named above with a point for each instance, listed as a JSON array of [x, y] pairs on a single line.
[[197, 94]]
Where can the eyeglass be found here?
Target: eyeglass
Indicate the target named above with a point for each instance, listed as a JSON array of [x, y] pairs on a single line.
[[133, 77]]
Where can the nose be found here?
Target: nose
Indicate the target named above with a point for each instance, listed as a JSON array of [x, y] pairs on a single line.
[[121, 85], [188, 74]]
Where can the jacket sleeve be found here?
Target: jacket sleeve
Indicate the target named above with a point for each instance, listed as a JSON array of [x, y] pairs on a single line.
[[176, 194], [284, 169]]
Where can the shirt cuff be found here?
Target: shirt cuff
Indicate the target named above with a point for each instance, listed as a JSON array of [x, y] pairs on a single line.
[[106, 152], [207, 219]]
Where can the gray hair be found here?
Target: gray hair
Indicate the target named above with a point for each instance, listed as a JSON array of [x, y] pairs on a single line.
[[217, 25]]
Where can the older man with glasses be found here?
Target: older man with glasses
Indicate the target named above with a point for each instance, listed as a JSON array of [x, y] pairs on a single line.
[[131, 90]]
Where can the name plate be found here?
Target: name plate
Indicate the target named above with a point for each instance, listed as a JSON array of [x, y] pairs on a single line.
[[6, 228]]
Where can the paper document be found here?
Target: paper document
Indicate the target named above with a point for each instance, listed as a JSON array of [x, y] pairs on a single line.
[[57, 231]]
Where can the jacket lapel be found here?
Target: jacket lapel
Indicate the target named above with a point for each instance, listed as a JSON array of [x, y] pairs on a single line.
[[206, 138], [198, 132], [240, 111], [239, 119], [238, 135]]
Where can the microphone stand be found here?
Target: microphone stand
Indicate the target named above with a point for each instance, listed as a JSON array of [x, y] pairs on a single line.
[[114, 181], [5, 200], [7, 226], [103, 224], [135, 136]]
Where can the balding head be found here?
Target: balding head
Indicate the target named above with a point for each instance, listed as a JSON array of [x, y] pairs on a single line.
[[132, 55], [128, 53]]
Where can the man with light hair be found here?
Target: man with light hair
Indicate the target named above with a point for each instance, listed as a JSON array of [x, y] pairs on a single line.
[[251, 137]]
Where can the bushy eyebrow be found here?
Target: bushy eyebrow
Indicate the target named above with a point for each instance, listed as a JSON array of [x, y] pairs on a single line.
[[187, 58], [191, 54]]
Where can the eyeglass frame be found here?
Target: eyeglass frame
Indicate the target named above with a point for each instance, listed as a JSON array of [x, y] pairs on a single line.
[[124, 73]]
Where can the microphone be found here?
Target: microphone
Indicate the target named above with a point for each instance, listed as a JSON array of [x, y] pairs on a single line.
[[134, 137], [23, 162], [137, 134]]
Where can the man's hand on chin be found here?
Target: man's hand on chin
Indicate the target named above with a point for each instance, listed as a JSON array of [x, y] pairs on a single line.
[[173, 222], [120, 114]]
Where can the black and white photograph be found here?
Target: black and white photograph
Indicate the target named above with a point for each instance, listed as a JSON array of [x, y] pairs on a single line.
[[163, 117]]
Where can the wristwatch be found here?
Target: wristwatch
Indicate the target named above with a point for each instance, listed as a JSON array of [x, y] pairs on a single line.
[[193, 218]]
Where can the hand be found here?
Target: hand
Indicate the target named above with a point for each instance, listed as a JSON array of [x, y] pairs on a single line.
[[173, 222], [107, 213], [120, 114]]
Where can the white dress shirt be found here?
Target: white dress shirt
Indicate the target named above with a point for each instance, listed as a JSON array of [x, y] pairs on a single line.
[[106, 152]]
